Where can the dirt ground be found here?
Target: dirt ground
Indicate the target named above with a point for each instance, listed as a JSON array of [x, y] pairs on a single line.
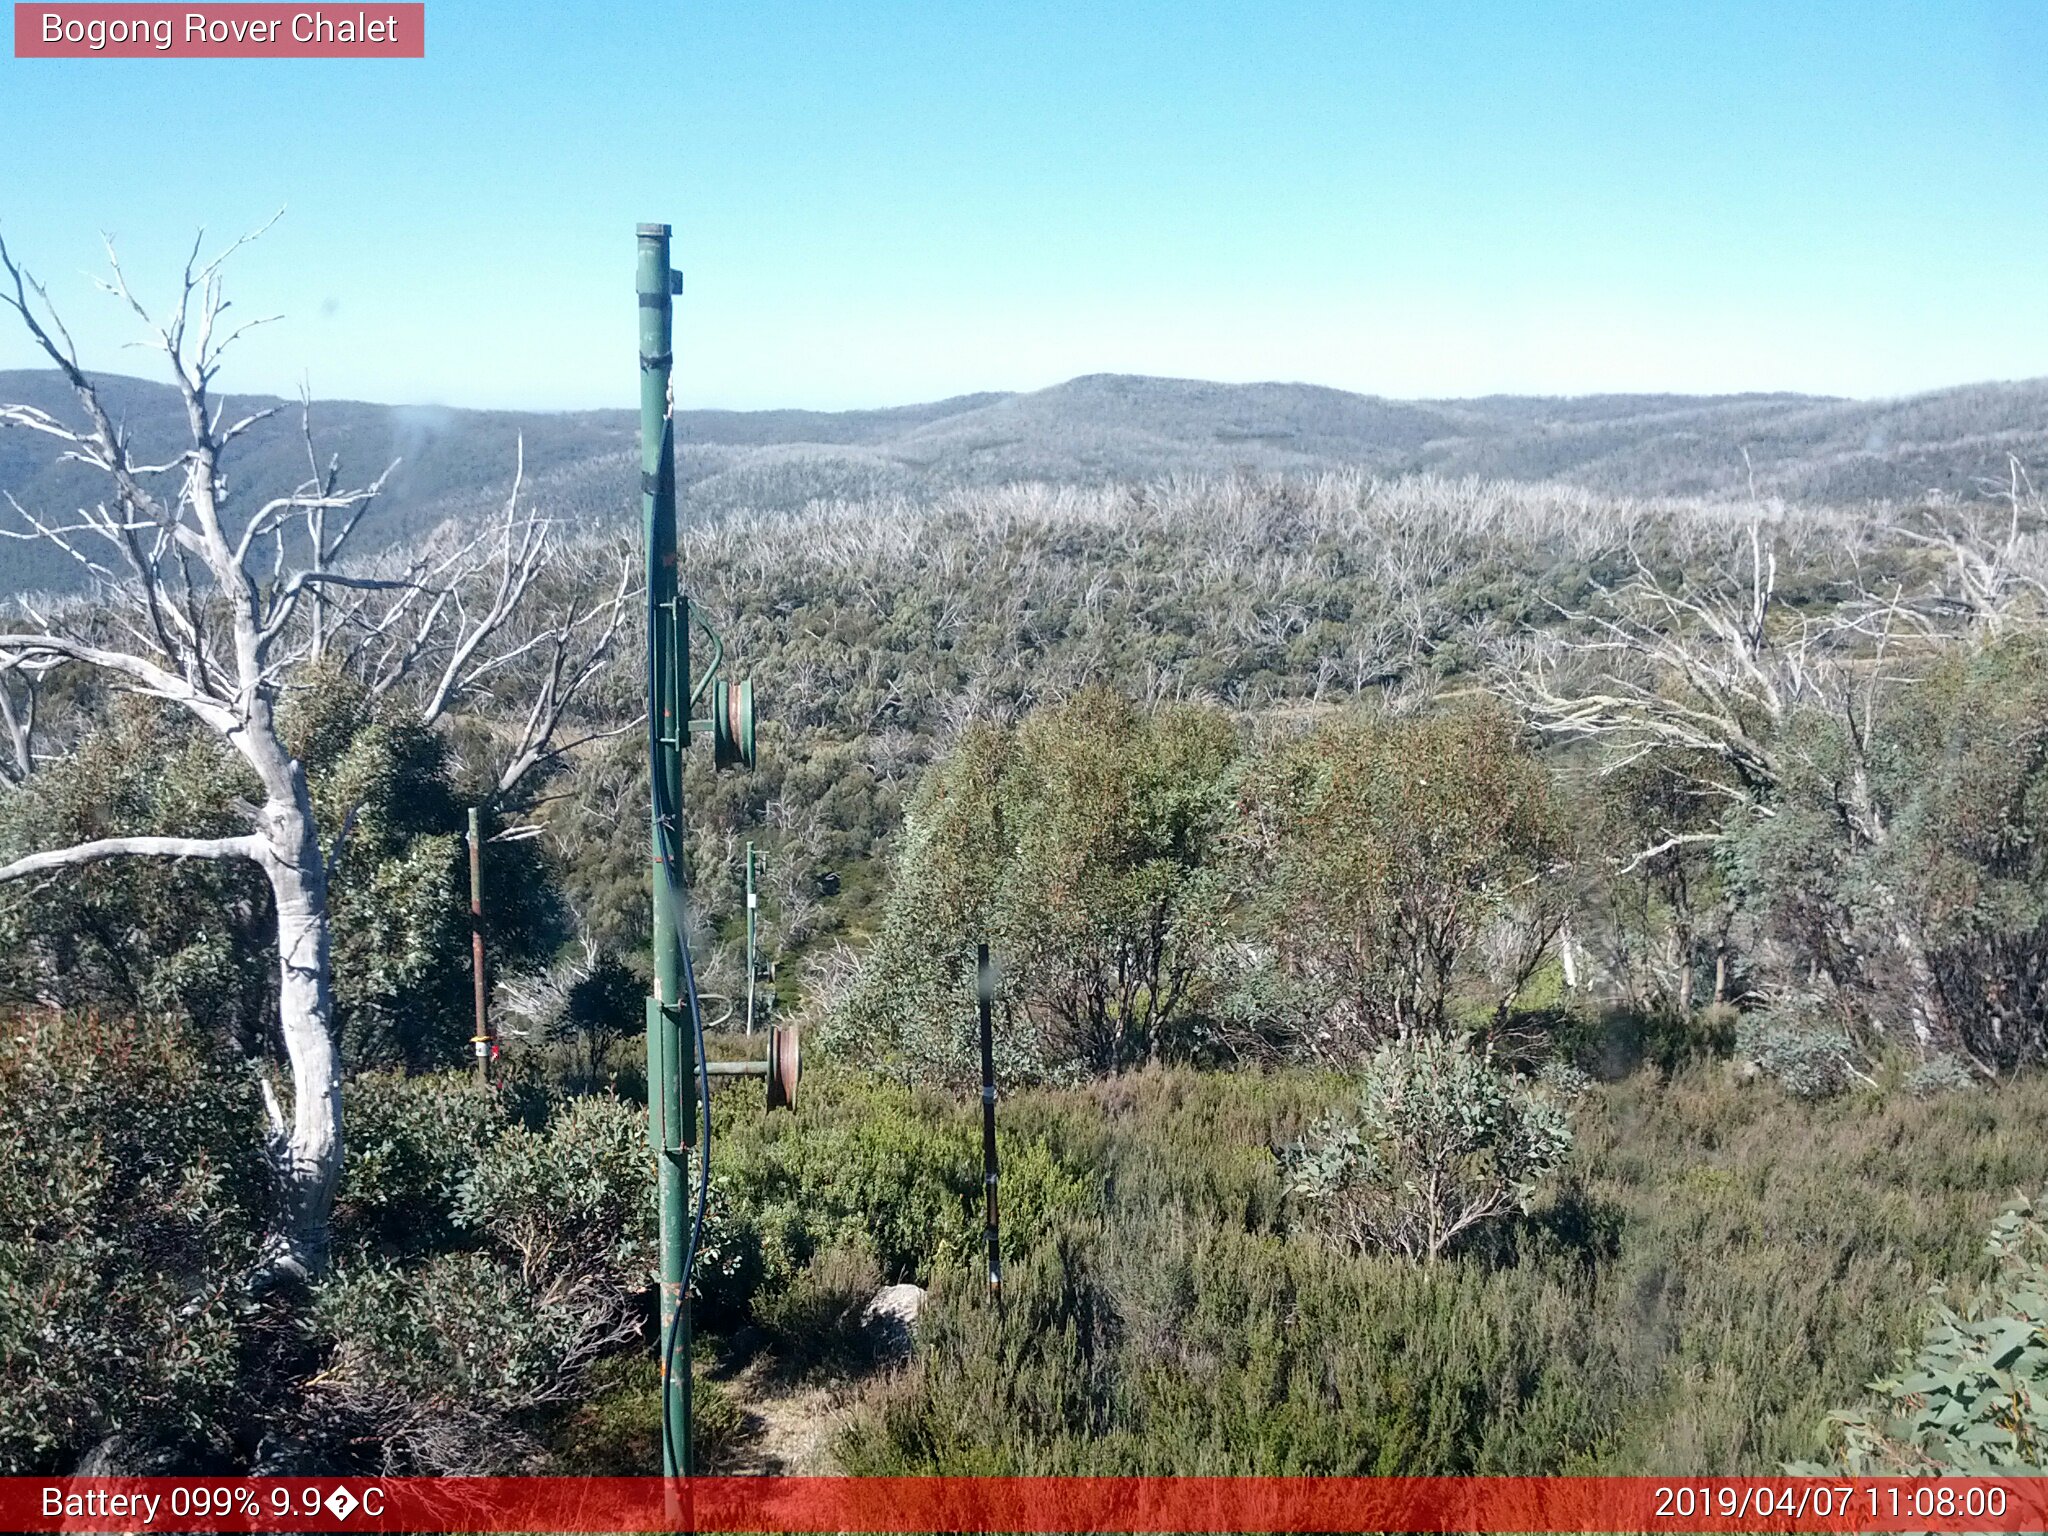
[[788, 1430], [789, 1421]]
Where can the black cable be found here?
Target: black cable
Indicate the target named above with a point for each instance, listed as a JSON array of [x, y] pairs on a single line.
[[667, 827]]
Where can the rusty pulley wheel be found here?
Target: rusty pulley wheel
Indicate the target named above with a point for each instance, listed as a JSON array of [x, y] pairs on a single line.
[[732, 724], [785, 1065]]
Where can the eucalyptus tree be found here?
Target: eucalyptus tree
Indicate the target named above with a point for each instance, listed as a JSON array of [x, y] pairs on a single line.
[[213, 598], [1397, 865], [1775, 721]]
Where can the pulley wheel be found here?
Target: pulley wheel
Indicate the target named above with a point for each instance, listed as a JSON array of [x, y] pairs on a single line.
[[785, 1065], [732, 724]]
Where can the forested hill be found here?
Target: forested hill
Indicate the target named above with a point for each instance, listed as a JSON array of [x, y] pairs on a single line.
[[1089, 430]]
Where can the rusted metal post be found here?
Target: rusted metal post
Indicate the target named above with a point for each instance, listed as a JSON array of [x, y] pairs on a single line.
[[481, 1042], [985, 993]]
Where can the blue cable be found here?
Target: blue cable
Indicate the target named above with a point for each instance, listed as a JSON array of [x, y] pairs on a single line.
[[667, 824]]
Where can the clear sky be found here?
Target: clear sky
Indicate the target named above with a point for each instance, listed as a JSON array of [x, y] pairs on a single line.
[[878, 201]]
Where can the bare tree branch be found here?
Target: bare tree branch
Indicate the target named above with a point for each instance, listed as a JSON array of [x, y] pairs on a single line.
[[248, 847]]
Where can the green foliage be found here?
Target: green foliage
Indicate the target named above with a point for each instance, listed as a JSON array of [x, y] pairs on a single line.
[[718, 1419], [131, 1200], [187, 937], [1973, 1400], [1081, 847], [196, 938], [1382, 853], [1688, 1296], [1974, 840], [1366, 879], [602, 1008], [414, 1143], [1793, 1042], [1438, 1144], [570, 1020], [447, 1362], [614, 1429], [874, 1169], [398, 889], [1691, 1297], [1904, 860], [816, 1319], [577, 1199], [1656, 899], [1939, 1073], [437, 1365]]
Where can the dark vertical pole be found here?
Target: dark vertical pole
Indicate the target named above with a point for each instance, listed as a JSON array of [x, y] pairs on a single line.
[[751, 900], [670, 1072], [985, 992], [480, 1043]]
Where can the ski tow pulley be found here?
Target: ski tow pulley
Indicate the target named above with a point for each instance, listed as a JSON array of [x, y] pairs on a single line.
[[780, 1067]]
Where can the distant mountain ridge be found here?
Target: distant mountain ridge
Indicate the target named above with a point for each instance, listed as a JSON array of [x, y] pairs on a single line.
[[1096, 428]]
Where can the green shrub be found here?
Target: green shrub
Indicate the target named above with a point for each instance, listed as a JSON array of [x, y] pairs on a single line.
[[132, 1194], [857, 1165], [1438, 1144], [190, 938], [1807, 1054], [445, 1364], [575, 1200], [440, 1366], [1400, 868], [1904, 855], [1939, 1073], [1082, 847], [398, 892], [1973, 1400], [614, 1427], [718, 1421], [875, 1168], [1691, 1299], [412, 1144], [816, 1320]]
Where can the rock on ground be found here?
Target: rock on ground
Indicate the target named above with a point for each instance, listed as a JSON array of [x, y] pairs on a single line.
[[890, 1320]]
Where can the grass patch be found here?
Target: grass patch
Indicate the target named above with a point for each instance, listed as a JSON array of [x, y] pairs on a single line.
[[1719, 1266]]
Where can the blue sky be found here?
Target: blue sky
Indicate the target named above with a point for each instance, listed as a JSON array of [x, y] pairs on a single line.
[[882, 202]]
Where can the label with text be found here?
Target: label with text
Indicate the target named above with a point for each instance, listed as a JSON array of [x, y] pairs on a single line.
[[238, 31]]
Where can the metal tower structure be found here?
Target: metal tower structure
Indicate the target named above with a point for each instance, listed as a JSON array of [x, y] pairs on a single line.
[[679, 1071]]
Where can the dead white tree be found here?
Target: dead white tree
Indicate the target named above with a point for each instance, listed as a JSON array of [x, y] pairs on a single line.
[[19, 698], [214, 610], [486, 615], [1699, 675], [1993, 575], [1705, 680], [1699, 680]]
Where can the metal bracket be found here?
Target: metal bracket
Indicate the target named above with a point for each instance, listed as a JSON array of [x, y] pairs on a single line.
[[710, 667]]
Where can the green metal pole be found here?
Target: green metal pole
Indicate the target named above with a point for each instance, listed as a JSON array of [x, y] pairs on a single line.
[[671, 1072], [750, 937]]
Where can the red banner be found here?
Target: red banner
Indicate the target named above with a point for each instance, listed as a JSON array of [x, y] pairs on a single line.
[[1135, 1504], [117, 31]]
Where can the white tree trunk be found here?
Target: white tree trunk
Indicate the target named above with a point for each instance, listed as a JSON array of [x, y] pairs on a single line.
[[309, 1161], [306, 1153], [1923, 995]]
